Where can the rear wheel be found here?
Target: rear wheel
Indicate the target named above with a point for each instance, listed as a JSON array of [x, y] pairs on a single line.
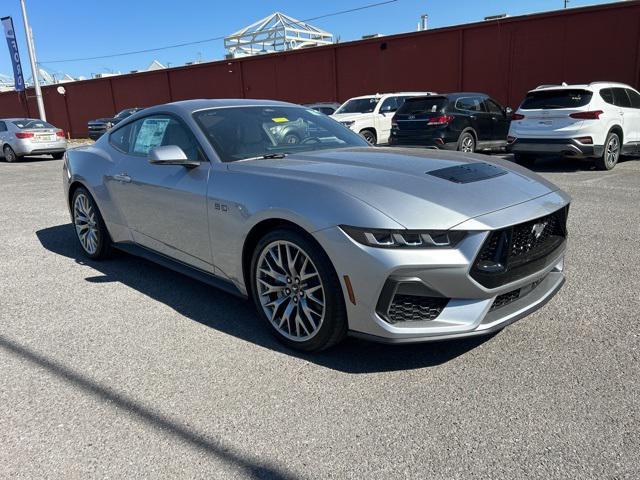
[[524, 159], [291, 138], [370, 136], [90, 228], [467, 143], [9, 154], [611, 153], [297, 291], [57, 156]]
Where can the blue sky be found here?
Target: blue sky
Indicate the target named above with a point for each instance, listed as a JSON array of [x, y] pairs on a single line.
[[73, 29]]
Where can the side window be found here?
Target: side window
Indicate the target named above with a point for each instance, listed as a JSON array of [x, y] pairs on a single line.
[[121, 138], [159, 131], [620, 97], [607, 95], [389, 105], [492, 107], [3, 127], [634, 97], [327, 110], [471, 104]]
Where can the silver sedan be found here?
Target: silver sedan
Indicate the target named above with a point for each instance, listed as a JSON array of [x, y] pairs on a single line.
[[328, 236], [29, 136]]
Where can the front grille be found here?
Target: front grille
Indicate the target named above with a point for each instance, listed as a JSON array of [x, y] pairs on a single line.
[[412, 308], [520, 250]]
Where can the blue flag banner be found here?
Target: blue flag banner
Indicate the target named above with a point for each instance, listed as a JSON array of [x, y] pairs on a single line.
[[18, 76]]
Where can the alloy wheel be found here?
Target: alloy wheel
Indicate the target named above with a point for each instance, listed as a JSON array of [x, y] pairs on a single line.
[[84, 218], [9, 154], [612, 151], [290, 290], [467, 144]]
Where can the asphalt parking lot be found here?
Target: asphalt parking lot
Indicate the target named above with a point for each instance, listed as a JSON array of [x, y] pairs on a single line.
[[124, 369]]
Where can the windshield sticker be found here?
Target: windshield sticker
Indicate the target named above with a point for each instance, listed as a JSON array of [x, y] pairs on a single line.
[[280, 120], [150, 135]]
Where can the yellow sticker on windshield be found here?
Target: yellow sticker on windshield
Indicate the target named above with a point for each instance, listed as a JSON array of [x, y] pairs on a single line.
[[280, 119]]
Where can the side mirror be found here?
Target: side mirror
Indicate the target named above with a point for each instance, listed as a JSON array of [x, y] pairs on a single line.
[[170, 155], [508, 111]]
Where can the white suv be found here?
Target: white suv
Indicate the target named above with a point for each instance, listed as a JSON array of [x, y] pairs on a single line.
[[600, 120], [371, 115]]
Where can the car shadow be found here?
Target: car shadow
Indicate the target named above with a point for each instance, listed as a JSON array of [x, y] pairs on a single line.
[[550, 164], [234, 316], [31, 159]]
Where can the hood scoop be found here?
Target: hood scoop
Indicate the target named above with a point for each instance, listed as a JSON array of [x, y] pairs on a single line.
[[468, 172]]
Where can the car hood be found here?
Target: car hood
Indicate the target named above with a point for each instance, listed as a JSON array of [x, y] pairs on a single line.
[[103, 120], [347, 117], [398, 182]]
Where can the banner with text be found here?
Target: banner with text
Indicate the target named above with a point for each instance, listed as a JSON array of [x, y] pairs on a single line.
[[7, 23]]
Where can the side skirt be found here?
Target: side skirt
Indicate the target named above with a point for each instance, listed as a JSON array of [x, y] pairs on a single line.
[[180, 267]]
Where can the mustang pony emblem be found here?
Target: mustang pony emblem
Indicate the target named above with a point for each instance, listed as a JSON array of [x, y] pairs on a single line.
[[538, 229]]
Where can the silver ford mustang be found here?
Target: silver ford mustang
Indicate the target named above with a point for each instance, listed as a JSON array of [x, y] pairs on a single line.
[[327, 235]]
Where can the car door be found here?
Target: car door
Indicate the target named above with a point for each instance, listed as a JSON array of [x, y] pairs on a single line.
[[499, 121], [623, 107], [164, 206], [3, 134], [479, 119], [632, 117], [384, 115]]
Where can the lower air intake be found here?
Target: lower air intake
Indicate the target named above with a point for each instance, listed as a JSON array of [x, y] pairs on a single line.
[[411, 308]]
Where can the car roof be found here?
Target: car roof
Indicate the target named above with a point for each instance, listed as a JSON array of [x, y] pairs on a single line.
[[203, 104], [455, 95], [598, 85], [394, 94], [20, 118]]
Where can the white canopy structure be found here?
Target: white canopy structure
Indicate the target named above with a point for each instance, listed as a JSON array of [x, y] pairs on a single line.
[[276, 33]]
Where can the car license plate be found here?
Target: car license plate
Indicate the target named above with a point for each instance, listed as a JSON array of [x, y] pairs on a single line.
[[45, 138]]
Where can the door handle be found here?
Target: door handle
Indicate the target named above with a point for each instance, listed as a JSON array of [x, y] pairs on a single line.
[[123, 177]]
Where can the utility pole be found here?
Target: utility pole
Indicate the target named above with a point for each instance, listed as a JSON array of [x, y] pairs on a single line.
[[566, 3], [34, 66]]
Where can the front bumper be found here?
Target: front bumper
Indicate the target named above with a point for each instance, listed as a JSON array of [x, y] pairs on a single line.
[[446, 273], [568, 147]]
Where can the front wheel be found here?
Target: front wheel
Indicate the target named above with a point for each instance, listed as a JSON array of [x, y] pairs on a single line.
[[9, 154], [611, 153], [297, 291], [90, 228], [370, 136], [467, 143]]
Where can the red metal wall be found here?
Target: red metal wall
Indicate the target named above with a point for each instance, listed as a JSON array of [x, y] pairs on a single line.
[[503, 58]]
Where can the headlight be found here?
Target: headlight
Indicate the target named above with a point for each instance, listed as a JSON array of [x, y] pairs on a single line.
[[404, 238], [348, 123], [109, 125]]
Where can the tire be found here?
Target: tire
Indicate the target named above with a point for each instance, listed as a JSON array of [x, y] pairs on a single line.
[[466, 143], [369, 135], [91, 231], [611, 153], [9, 155], [303, 304], [291, 139], [524, 159], [57, 156]]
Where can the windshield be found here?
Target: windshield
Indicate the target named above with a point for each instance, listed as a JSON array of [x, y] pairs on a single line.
[[359, 105], [125, 113], [31, 123], [550, 99], [238, 133], [414, 106]]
